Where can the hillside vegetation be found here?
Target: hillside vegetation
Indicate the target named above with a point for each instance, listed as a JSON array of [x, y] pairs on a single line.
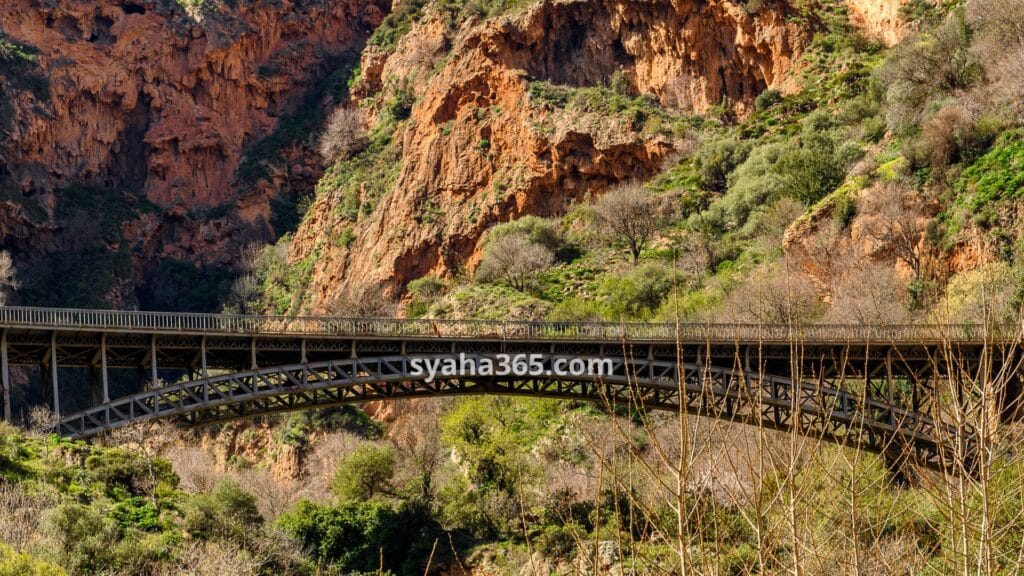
[[884, 187]]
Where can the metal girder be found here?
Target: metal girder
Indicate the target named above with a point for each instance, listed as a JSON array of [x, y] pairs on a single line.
[[733, 394]]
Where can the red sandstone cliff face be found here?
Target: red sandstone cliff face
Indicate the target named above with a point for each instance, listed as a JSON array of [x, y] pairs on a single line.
[[539, 159], [159, 103], [879, 19]]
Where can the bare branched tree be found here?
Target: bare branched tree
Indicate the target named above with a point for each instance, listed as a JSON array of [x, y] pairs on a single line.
[[628, 213], [871, 293], [898, 226], [8, 277], [344, 136], [245, 294], [515, 259], [775, 297], [368, 302]]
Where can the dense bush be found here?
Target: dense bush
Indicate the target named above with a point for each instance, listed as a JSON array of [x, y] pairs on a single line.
[[638, 294], [13, 563], [365, 473], [538, 230], [717, 159], [767, 99], [227, 512], [364, 537], [930, 67], [131, 472]]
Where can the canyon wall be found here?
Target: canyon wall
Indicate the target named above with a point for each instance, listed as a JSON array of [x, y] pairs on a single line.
[[481, 147], [156, 103]]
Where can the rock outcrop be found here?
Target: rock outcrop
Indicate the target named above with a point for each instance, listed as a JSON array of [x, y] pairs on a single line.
[[159, 103], [479, 148], [881, 20]]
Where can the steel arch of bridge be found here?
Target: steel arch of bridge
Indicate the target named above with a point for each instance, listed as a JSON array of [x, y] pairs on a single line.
[[725, 393]]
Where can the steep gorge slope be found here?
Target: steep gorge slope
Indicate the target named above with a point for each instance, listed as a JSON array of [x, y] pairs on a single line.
[[144, 108], [494, 135]]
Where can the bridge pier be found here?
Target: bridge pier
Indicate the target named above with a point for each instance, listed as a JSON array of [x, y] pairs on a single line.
[[54, 380], [153, 378], [202, 359], [5, 377]]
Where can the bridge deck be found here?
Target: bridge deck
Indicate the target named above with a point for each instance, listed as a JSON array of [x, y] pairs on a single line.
[[108, 321]]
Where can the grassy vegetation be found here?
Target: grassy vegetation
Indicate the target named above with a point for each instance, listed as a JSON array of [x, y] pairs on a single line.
[[359, 183], [401, 20], [110, 510], [642, 113]]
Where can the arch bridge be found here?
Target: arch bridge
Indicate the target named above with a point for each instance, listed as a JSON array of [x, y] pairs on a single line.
[[878, 387]]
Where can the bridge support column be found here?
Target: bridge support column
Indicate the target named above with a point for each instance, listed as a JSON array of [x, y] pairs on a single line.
[[152, 361], [252, 354], [890, 385], [53, 375], [104, 375], [202, 359], [302, 348], [5, 377]]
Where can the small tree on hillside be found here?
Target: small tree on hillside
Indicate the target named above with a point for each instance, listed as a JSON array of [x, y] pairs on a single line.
[[899, 227], [344, 136], [8, 281], [629, 214], [365, 473], [515, 259]]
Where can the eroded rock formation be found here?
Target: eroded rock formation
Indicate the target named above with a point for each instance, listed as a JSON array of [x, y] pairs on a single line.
[[159, 103], [479, 149]]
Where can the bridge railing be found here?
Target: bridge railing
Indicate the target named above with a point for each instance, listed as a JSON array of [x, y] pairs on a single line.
[[193, 323]]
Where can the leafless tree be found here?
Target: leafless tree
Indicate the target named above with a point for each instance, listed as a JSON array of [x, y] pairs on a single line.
[[515, 259], [8, 277], [344, 136], [42, 419], [898, 226], [870, 293], [245, 294], [774, 296], [367, 302], [421, 452], [628, 213]]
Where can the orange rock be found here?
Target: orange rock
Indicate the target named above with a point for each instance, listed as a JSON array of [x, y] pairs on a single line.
[[449, 192]]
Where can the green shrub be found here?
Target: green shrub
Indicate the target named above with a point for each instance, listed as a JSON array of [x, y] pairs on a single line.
[[928, 68], [137, 474], [538, 230], [227, 512], [558, 541], [424, 292], [767, 99], [812, 169], [84, 538], [397, 24], [997, 175], [136, 513], [638, 294], [296, 430], [754, 183], [365, 473], [14, 563], [364, 537], [718, 158]]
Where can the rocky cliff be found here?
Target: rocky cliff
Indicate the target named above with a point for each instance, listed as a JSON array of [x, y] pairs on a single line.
[[881, 20], [494, 134], [152, 104]]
